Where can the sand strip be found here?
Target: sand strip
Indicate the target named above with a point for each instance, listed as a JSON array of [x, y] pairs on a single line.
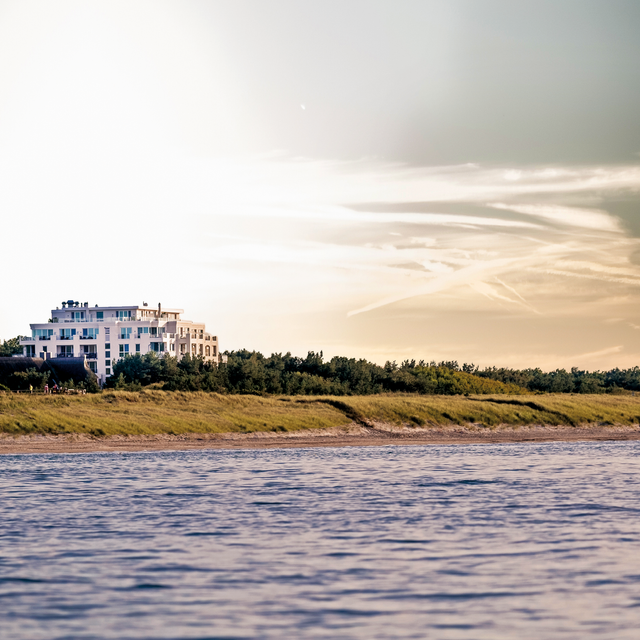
[[354, 435]]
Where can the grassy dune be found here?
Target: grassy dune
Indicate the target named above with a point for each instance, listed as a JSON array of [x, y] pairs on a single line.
[[157, 412]]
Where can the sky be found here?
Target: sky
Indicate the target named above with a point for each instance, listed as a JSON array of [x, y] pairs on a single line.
[[437, 180]]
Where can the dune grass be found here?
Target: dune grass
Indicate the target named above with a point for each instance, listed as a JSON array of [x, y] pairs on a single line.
[[158, 412], [552, 409]]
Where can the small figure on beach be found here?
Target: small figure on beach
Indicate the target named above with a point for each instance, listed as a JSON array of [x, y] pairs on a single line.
[[46, 388], [30, 388]]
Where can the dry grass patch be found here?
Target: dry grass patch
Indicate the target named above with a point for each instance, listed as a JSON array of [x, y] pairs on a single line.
[[153, 412], [160, 412], [553, 409]]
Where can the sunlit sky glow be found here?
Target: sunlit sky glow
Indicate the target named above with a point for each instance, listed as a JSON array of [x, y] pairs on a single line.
[[462, 182]]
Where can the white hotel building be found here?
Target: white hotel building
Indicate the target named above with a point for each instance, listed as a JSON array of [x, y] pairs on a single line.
[[103, 335]]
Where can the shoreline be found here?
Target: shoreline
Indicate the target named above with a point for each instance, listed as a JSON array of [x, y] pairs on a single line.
[[353, 435]]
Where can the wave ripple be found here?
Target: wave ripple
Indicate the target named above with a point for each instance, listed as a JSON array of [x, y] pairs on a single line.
[[482, 541]]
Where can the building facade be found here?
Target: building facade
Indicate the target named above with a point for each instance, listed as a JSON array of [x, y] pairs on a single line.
[[103, 335]]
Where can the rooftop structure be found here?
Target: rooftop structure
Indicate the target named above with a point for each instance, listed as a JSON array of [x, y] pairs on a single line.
[[103, 335]]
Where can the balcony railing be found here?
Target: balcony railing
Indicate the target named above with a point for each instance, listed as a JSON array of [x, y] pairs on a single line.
[[44, 337], [90, 356], [65, 355], [27, 339], [66, 337], [88, 337]]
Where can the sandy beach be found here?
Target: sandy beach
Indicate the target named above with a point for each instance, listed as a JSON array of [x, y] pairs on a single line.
[[354, 435]]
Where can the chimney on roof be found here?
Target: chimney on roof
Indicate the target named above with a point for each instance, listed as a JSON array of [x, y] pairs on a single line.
[[159, 309]]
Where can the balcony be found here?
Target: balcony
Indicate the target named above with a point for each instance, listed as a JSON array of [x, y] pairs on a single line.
[[44, 337], [88, 337], [66, 337], [90, 356], [65, 355], [27, 339]]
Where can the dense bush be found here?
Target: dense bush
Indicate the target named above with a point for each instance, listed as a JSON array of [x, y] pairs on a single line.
[[560, 380], [252, 372], [22, 380], [189, 374], [10, 347]]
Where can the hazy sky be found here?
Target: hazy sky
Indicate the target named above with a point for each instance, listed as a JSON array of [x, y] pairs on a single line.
[[385, 179]]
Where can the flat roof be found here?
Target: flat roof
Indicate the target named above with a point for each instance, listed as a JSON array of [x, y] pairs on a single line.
[[125, 308]]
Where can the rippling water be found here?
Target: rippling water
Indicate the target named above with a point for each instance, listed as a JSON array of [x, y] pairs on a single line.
[[485, 541]]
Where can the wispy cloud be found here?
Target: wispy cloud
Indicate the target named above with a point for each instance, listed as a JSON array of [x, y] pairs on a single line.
[[542, 243], [282, 231], [570, 216]]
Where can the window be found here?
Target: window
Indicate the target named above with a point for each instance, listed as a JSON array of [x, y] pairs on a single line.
[[93, 366], [99, 315], [106, 332], [137, 348], [172, 347], [157, 346], [107, 363], [67, 334], [124, 350], [108, 371], [208, 350], [107, 354], [125, 333], [124, 315], [142, 330], [43, 334], [193, 349], [77, 315], [90, 333], [214, 349], [153, 331], [107, 345]]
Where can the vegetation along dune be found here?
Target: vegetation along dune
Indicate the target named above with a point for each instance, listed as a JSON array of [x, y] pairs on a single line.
[[161, 419]]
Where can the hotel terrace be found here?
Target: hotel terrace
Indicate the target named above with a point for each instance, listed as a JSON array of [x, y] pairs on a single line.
[[102, 335]]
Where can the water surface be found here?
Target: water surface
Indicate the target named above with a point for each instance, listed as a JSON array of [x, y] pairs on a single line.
[[470, 542]]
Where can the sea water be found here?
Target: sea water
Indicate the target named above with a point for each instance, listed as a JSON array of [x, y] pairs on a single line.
[[474, 541]]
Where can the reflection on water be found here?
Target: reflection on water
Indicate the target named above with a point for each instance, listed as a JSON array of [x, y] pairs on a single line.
[[483, 541]]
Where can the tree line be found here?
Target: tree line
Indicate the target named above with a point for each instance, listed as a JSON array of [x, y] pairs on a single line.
[[252, 372]]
